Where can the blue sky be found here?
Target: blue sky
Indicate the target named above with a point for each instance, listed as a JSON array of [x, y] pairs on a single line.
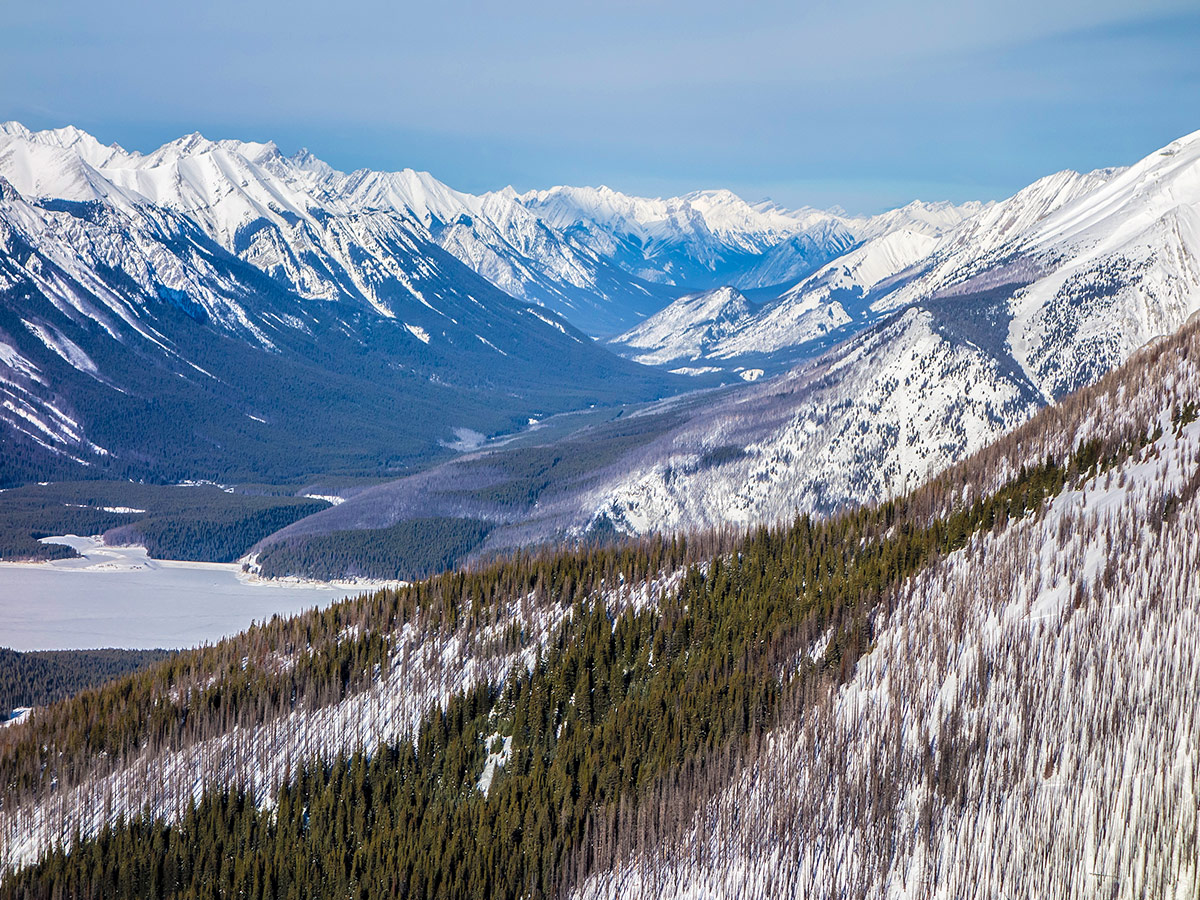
[[866, 105]]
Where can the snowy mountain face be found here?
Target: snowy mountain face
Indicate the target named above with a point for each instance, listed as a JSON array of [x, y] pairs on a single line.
[[190, 309], [881, 413], [688, 329], [946, 344], [289, 216], [832, 302], [1032, 298]]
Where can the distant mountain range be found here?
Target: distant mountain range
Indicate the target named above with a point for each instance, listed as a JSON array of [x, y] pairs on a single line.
[[210, 308], [206, 311], [219, 310]]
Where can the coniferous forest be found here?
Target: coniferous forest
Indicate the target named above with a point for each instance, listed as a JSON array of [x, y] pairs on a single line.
[[192, 522], [43, 677], [609, 740]]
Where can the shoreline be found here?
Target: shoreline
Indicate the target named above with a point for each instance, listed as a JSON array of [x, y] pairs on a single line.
[[98, 557]]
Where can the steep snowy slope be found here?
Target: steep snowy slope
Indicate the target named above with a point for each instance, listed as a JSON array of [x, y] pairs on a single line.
[[835, 296], [1024, 724], [504, 242], [688, 329], [1088, 267], [883, 412], [1126, 268]]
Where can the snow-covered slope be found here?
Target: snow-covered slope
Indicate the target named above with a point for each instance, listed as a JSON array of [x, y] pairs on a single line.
[[1024, 724], [1059, 283], [836, 295], [880, 414], [688, 329], [903, 257]]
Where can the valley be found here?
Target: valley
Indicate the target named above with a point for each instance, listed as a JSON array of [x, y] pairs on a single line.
[[566, 543]]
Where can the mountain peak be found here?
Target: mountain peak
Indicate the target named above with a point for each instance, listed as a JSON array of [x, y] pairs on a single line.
[[189, 143], [7, 191], [15, 129]]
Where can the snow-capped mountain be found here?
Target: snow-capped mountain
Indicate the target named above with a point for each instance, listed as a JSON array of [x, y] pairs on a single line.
[[881, 413], [689, 329], [833, 302], [288, 216], [1067, 276], [1031, 298], [709, 239], [949, 342], [700, 240], [191, 310]]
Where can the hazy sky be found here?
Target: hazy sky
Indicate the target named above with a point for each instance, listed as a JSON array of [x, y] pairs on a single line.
[[863, 104]]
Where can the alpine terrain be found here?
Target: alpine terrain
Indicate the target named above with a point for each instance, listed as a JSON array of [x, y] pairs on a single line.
[[887, 365], [922, 628], [984, 687]]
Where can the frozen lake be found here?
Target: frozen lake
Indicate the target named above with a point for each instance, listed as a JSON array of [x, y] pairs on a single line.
[[118, 597]]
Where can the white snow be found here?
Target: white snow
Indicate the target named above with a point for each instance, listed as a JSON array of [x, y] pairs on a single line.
[[119, 597], [333, 499], [17, 716], [689, 329], [495, 760], [418, 332]]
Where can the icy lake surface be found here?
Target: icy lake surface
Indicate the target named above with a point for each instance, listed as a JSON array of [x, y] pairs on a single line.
[[118, 597]]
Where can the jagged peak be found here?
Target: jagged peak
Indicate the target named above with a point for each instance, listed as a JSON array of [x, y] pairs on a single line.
[[15, 129], [7, 191], [188, 143], [68, 137]]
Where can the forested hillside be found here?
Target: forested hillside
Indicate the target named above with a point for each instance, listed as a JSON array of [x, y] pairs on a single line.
[[819, 709], [42, 677], [194, 522]]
